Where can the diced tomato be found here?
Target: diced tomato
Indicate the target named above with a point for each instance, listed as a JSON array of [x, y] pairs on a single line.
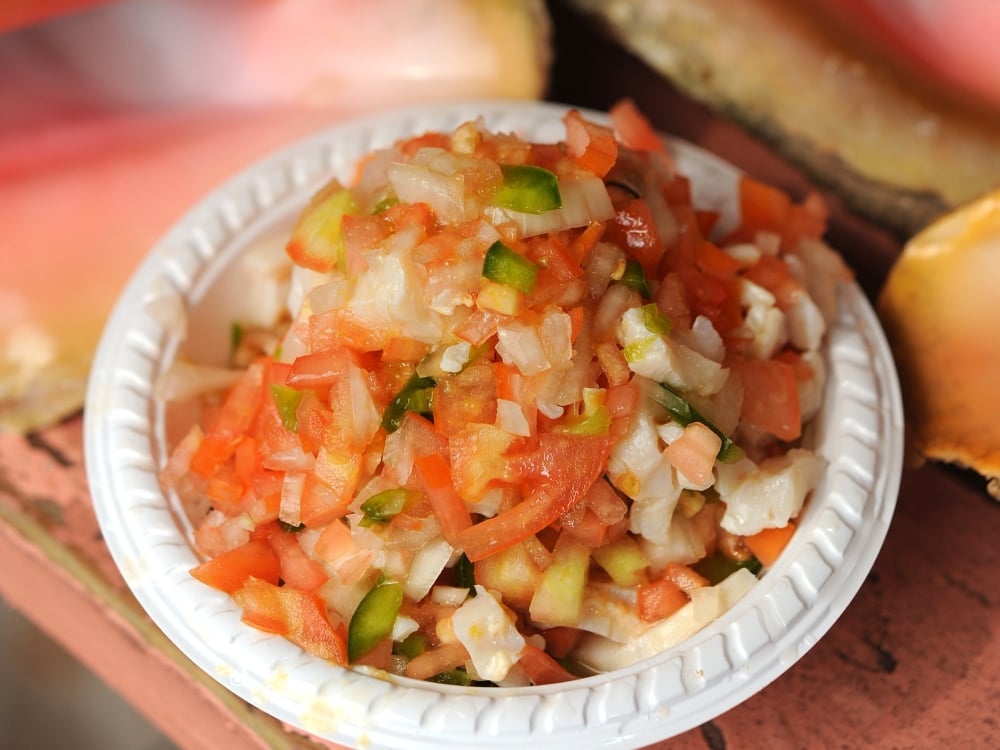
[[693, 453], [634, 230], [477, 459], [361, 234], [768, 544], [659, 599], [584, 242], [805, 220], [401, 216], [232, 421], [224, 490], [771, 397], [671, 299], [449, 509], [685, 578], [552, 253], [634, 129], [469, 396], [317, 369], [402, 349], [230, 570], [560, 641], [321, 504], [621, 400], [588, 528], [763, 208], [300, 616], [567, 465], [677, 192], [593, 147], [410, 146], [297, 569], [314, 420], [340, 470], [542, 669], [340, 327], [606, 503], [341, 551], [715, 262], [772, 273]]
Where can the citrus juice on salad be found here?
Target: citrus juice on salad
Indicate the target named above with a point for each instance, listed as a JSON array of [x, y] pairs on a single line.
[[530, 415]]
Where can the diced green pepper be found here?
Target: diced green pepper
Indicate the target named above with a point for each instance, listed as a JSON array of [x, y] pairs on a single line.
[[595, 419], [634, 278], [236, 332], [374, 618], [416, 395], [684, 414], [465, 574], [383, 506], [656, 321], [412, 646], [506, 266], [287, 400], [718, 567], [455, 676], [528, 189]]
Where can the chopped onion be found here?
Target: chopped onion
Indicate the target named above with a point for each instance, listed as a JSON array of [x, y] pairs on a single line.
[[584, 199], [290, 508]]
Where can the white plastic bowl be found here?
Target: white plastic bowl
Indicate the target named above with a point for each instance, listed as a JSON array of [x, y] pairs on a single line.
[[840, 531]]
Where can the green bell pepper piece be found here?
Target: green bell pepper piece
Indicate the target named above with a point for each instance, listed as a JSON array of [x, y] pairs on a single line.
[[374, 618], [287, 400], [506, 266], [528, 189], [416, 395]]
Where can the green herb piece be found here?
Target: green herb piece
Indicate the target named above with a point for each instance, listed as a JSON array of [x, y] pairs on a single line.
[[416, 395], [383, 506], [455, 676], [718, 567], [374, 618], [465, 574], [528, 189], [290, 528], [412, 646], [287, 400], [634, 278], [684, 414], [236, 333], [506, 266]]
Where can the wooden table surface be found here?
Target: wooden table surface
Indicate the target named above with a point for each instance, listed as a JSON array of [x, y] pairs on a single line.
[[913, 663]]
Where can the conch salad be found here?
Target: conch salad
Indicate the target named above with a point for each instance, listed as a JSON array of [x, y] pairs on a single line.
[[525, 420]]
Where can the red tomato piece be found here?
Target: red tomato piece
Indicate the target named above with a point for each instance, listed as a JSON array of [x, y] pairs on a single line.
[[469, 396], [593, 147], [297, 569], [541, 668], [300, 616], [634, 129], [450, 510], [562, 469], [230, 570], [771, 397], [659, 599], [635, 231]]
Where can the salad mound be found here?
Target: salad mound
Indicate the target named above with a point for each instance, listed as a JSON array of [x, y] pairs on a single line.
[[531, 414]]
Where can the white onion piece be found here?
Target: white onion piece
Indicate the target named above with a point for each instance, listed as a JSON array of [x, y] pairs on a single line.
[[584, 199]]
